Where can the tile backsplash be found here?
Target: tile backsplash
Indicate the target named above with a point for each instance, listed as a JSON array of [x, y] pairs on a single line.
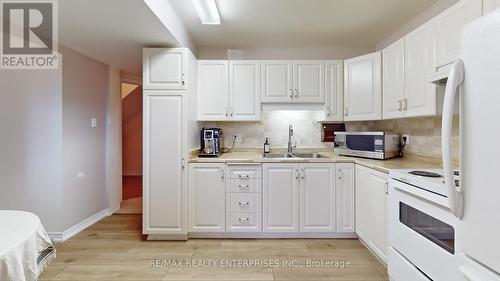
[[424, 132]]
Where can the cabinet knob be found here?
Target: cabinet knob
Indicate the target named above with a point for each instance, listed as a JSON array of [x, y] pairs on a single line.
[[243, 186], [243, 219], [243, 176], [244, 204]]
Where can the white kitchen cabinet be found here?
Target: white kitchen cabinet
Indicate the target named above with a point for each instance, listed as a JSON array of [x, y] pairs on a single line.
[[490, 5], [276, 80], [420, 94], [393, 75], [207, 197], [228, 90], [362, 202], [165, 181], [308, 81], [449, 27], [165, 68], [213, 95], [363, 88], [244, 90], [286, 81], [371, 209], [317, 197], [281, 197], [345, 192], [334, 90]]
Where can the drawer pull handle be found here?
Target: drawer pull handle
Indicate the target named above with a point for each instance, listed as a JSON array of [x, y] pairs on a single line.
[[243, 176], [243, 219], [244, 204], [244, 186]]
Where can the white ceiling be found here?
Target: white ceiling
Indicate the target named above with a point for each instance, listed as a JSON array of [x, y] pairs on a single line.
[[251, 23], [112, 31]]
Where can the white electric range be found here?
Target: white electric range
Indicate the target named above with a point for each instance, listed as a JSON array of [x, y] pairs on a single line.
[[422, 228]]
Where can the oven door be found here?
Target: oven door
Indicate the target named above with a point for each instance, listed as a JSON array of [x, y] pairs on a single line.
[[423, 232]]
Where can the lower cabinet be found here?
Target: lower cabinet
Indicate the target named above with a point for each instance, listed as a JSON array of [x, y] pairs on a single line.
[[207, 212], [317, 197], [345, 197], [371, 209], [281, 197]]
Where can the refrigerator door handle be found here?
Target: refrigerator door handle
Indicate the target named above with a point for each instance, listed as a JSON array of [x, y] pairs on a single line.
[[455, 80]]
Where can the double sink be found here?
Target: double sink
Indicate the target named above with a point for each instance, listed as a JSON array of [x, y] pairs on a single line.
[[294, 155]]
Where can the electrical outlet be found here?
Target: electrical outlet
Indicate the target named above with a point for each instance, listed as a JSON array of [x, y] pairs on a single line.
[[406, 139], [237, 137]]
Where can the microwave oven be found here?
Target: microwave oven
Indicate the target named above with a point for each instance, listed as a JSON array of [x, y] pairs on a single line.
[[374, 145]]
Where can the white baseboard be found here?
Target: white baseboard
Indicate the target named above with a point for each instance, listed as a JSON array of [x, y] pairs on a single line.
[[60, 237], [132, 173], [272, 235]]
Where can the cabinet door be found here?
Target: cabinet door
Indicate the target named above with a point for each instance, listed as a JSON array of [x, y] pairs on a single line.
[[212, 90], [281, 198], [393, 73], [490, 5], [308, 81], [334, 90], [164, 68], [165, 184], [363, 88], [345, 197], [420, 94], [276, 81], [362, 203], [207, 197], [244, 90], [449, 29], [378, 192], [317, 197]]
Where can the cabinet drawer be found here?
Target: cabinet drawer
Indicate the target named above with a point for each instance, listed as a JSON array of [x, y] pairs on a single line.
[[244, 171], [243, 202], [244, 185], [244, 222]]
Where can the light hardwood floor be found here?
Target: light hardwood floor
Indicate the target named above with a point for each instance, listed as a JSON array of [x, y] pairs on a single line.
[[114, 249]]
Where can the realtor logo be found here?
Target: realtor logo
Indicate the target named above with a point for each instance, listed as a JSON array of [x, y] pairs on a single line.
[[29, 34]]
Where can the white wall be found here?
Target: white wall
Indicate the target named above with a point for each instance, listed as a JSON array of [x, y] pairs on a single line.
[[423, 17], [166, 13], [84, 97], [31, 143], [113, 138], [290, 52]]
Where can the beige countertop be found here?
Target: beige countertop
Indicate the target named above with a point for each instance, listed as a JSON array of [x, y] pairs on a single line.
[[256, 156]]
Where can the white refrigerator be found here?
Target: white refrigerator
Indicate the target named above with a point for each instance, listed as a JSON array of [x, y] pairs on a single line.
[[476, 79]]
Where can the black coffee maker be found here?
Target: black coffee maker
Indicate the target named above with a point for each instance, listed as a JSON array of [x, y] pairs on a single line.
[[211, 142]]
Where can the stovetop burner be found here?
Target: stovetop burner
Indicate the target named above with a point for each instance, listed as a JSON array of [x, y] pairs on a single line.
[[425, 174]]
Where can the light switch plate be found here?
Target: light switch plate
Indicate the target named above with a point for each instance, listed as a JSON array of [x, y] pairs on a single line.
[[93, 122]]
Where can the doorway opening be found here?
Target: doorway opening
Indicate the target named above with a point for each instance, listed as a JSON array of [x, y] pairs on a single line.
[[131, 149]]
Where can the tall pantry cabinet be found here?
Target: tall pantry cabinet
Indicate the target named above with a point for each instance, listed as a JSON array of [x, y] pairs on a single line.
[[169, 131]]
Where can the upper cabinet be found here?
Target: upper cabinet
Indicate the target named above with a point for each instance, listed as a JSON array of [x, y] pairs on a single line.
[[285, 81], [449, 26], [165, 68], [393, 73], [213, 97], [363, 88], [420, 93], [228, 90], [308, 81], [334, 90], [490, 6], [244, 90]]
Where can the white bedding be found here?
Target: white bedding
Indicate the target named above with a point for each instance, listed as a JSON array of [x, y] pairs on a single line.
[[22, 240]]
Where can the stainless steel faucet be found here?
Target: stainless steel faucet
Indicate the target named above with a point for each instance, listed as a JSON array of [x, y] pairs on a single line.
[[290, 135]]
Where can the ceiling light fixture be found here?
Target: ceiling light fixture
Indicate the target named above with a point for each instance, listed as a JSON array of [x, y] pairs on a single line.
[[207, 11]]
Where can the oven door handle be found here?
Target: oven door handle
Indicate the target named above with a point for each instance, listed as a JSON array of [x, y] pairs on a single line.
[[455, 195]]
